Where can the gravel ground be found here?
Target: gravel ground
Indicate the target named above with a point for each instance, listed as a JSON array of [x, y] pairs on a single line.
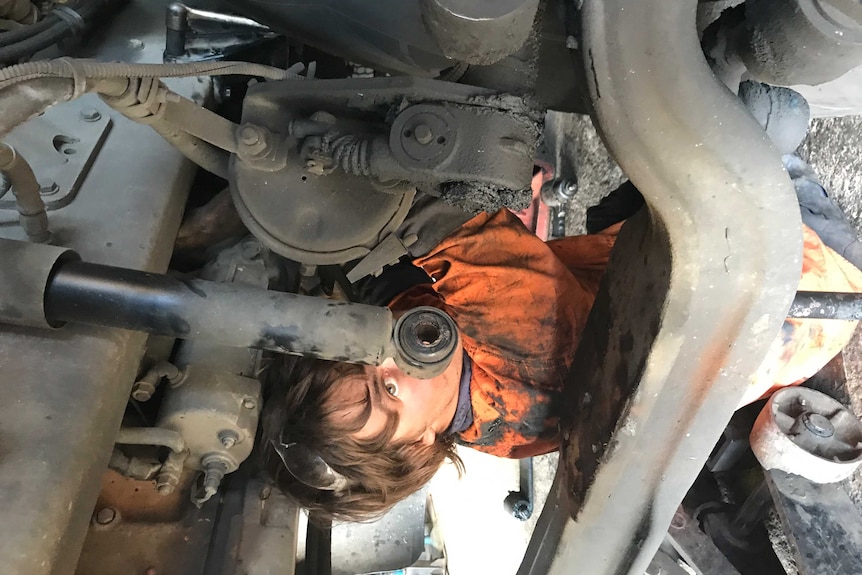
[[833, 148]]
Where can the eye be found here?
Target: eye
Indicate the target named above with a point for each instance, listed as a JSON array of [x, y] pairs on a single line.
[[391, 386]]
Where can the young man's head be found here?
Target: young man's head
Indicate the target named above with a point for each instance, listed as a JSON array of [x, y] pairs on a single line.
[[381, 429]]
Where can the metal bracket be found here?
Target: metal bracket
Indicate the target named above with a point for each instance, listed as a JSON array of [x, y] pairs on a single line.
[[61, 146], [386, 253]]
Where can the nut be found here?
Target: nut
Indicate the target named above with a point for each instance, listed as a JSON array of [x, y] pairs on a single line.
[[228, 438], [253, 140], [249, 135]]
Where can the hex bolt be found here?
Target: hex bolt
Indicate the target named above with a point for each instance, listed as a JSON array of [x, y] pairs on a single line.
[[228, 438], [249, 403], [143, 391], [90, 115], [49, 188], [253, 140], [423, 134], [106, 516], [249, 135]]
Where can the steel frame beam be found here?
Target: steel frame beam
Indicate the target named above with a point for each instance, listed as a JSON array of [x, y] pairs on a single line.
[[696, 290]]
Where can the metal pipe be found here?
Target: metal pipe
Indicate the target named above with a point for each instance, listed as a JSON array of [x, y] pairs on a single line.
[[229, 314], [827, 305], [151, 436], [178, 15], [26, 189]]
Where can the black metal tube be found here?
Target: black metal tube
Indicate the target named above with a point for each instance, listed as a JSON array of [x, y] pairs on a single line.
[[827, 305], [227, 313]]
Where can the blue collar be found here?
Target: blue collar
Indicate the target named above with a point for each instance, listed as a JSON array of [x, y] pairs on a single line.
[[464, 411]]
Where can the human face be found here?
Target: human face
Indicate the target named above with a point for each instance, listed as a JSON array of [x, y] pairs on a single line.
[[425, 407]]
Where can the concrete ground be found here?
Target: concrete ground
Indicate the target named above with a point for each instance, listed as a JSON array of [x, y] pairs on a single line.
[[480, 537]]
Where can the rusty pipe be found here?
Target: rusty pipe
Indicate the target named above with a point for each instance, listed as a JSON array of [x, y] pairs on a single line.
[[26, 189]]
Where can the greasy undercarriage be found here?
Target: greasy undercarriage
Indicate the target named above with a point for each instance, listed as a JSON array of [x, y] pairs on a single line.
[[179, 217]]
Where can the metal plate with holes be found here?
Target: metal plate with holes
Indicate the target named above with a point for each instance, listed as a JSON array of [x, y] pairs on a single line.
[[60, 146]]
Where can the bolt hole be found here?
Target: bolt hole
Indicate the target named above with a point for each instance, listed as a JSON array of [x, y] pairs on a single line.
[[65, 144], [427, 334], [441, 140], [304, 178], [408, 133]]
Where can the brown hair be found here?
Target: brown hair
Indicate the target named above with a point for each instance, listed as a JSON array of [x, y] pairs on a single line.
[[303, 406]]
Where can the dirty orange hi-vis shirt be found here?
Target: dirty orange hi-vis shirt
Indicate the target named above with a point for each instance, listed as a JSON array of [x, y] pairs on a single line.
[[521, 306]]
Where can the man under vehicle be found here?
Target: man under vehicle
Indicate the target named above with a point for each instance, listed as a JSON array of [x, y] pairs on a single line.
[[377, 434], [520, 305]]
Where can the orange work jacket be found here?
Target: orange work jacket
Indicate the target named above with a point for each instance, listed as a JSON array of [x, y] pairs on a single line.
[[521, 306]]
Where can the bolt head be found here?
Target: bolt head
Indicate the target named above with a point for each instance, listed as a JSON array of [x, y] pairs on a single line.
[[249, 135], [91, 115], [143, 391], [49, 188], [106, 516], [249, 403], [423, 134]]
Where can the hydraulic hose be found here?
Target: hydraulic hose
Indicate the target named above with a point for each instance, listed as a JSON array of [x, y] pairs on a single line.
[[65, 21], [35, 43], [25, 32], [69, 68]]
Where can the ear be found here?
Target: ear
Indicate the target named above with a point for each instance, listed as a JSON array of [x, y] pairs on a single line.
[[428, 438]]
